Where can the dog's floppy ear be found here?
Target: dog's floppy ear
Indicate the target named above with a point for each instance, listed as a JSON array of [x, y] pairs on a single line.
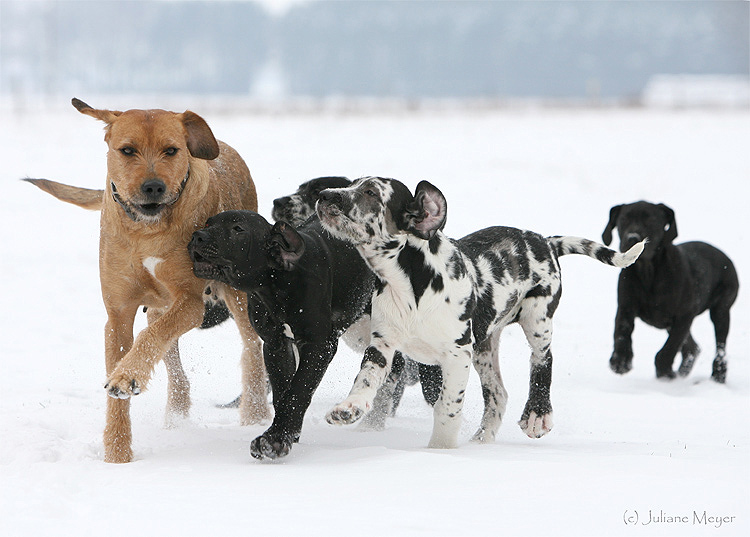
[[426, 214], [670, 230], [285, 246], [614, 213], [107, 116], [200, 140]]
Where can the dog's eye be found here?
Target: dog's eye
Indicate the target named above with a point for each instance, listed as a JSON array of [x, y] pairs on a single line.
[[238, 229], [127, 151], [371, 192], [171, 151]]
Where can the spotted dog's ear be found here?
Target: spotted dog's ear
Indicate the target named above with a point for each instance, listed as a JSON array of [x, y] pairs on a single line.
[[285, 246], [614, 213], [426, 214], [670, 230]]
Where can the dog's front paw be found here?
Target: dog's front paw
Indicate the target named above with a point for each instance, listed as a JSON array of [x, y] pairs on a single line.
[[536, 425], [665, 374], [483, 436], [620, 364], [122, 386], [346, 413], [719, 371], [271, 446]]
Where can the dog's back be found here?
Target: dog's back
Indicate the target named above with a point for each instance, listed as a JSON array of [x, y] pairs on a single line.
[[237, 188], [713, 267]]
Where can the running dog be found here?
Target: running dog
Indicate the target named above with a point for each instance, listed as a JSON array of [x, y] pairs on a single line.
[[297, 208], [445, 302], [667, 288], [166, 175], [304, 289]]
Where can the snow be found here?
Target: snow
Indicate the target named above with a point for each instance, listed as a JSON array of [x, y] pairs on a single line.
[[621, 446]]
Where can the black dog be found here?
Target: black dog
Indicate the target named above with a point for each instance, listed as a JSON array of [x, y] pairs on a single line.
[[304, 289], [667, 288], [296, 209]]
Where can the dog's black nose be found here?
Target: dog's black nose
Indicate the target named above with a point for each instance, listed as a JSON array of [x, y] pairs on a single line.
[[280, 202], [634, 237], [198, 237], [629, 240], [330, 195], [154, 189]]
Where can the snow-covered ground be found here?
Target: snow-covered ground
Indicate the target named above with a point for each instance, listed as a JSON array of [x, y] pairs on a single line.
[[622, 447]]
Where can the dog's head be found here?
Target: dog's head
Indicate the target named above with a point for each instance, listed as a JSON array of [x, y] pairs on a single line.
[[641, 220], [298, 207], [374, 210], [239, 247], [149, 157]]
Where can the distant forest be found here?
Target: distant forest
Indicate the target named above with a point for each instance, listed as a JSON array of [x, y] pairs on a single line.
[[372, 48]]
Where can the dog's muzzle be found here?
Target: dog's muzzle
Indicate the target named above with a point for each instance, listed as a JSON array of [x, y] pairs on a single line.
[[329, 204], [630, 240], [153, 199], [290, 210], [203, 255]]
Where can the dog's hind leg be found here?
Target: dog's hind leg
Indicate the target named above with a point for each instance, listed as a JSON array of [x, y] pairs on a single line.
[[690, 351], [254, 406], [495, 396], [431, 378], [178, 388], [178, 385], [720, 318], [536, 321]]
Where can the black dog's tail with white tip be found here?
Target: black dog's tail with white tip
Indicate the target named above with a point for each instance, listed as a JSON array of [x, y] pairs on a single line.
[[577, 245]]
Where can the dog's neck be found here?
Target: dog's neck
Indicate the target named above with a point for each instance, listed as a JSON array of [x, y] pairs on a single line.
[[407, 265], [646, 269]]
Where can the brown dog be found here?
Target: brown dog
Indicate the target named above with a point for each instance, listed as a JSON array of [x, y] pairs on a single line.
[[166, 175]]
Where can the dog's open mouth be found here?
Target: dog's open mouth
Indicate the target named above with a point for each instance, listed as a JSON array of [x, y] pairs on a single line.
[[150, 209], [204, 268]]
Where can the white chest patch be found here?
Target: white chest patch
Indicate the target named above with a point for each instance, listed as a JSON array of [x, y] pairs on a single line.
[[150, 264]]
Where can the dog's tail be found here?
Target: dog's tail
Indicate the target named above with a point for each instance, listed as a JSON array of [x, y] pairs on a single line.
[[83, 197], [576, 245]]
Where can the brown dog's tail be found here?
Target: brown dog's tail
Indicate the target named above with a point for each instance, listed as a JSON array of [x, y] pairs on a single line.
[[576, 245], [83, 197]]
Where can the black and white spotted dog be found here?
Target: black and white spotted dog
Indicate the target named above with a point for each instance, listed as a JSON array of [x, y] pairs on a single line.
[[445, 302], [298, 207]]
